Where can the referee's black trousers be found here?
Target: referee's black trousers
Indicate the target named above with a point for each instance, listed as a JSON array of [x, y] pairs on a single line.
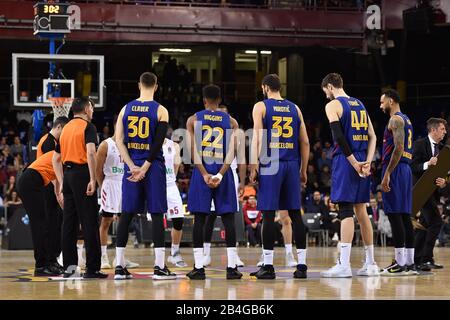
[[54, 222], [80, 209], [31, 190]]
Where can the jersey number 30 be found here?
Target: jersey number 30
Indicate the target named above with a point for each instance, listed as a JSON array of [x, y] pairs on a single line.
[[138, 127]]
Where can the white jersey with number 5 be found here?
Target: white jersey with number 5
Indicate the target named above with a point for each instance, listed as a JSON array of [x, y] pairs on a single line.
[[111, 193], [175, 207]]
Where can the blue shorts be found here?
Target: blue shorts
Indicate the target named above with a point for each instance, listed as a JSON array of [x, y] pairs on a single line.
[[152, 189], [346, 184], [280, 191], [200, 195], [399, 199]]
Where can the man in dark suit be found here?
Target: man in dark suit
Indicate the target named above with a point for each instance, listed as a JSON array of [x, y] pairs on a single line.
[[425, 153]]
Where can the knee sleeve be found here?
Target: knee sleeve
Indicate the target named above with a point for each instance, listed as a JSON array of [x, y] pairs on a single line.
[[299, 229], [158, 230], [122, 229], [197, 233], [230, 230], [269, 230], [345, 210], [177, 223]]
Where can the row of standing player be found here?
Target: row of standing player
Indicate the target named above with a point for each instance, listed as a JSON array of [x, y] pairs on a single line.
[[141, 130], [355, 143]]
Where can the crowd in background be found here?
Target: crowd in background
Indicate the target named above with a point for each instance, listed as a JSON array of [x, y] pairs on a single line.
[[174, 79]]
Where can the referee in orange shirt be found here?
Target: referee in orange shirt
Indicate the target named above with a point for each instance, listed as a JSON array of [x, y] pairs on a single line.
[[54, 214], [31, 186], [74, 164]]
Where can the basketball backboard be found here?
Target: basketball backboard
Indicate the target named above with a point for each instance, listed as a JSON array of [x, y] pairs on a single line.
[[38, 77]]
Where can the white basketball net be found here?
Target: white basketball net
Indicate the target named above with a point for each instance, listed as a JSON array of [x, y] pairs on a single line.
[[60, 106]]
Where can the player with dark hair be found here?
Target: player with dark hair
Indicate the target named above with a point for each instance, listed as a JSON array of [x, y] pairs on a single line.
[[212, 135], [141, 129], [355, 143], [279, 159], [397, 184]]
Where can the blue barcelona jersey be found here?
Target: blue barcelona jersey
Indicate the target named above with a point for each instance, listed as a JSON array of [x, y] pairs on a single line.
[[212, 143], [139, 121], [283, 128], [355, 125], [388, 142]]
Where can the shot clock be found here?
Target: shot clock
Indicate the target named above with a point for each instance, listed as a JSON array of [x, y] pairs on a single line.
[[51, 18]]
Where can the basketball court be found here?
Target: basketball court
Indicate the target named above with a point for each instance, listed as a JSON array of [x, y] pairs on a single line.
[[17, 281]]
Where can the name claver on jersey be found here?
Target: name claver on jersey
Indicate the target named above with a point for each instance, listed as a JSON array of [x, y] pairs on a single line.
[[139, 120]]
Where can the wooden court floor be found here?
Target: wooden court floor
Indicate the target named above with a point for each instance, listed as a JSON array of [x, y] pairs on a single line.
[[17, 282]]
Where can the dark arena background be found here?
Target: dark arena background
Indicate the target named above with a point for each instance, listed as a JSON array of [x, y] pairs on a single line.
[[69, 49]]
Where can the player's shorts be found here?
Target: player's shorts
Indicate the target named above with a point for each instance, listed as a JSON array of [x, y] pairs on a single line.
[[111, 196], [200, 195], [236, 184], [346, 184], [150, 190], [280, 191], [399, 199], [175, 208]]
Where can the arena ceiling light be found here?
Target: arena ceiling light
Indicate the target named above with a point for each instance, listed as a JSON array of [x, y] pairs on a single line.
[[175, 50], [255, 52]]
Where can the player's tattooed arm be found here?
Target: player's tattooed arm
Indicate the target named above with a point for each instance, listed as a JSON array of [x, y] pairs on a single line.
[[370, 149], [304, 147], [120, 136], [196, 158], [102, 153], [397, 126], [258, 115]]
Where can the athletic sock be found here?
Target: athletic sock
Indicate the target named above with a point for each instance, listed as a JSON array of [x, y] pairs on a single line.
[[174, 249], [409, 256], [301, 255], [288, 248], [80, 251], [159, 257], [369, 254], [198, 258], [207, 249], [268, 257], [232, 257], [120, 257], [104, 252], [399, 256], [346, 249]]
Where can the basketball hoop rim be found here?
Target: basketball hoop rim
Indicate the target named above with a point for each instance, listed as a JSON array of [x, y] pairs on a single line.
[[58, 102]]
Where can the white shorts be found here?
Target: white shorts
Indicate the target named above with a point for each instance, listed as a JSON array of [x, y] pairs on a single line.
[[111, 196], [236, 185], [175, 208]]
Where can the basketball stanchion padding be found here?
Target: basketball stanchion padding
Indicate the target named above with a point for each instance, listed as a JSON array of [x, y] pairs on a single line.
[[426, 185]]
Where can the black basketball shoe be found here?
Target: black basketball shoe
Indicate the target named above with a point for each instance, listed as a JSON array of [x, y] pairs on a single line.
[[265, 272], [163, 274], [197, 274], [233, 273], [301, 272], [122, 273]]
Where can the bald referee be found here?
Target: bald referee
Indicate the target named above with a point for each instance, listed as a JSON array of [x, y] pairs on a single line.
[[76, 154]]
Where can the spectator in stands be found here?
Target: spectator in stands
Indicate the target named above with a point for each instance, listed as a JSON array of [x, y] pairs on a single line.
[[158, 67], [373, 210], [3, 143], [10, 187], [17, 147], [105, 134], [323, 160], [252, 218], [328, 150], [325, 179], [312, 182], [249, 190], [9, 159], [13, 200]]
